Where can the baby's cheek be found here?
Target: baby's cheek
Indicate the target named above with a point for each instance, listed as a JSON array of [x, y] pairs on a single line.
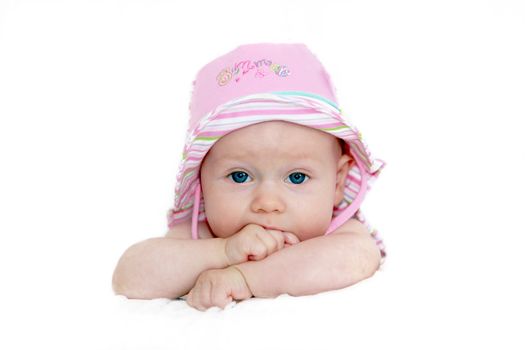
[[314, 225], [219, 226], [218, 213], [222, 224]]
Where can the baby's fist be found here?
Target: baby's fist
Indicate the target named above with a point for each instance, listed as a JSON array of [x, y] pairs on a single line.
[[218, 287], [253, 242]]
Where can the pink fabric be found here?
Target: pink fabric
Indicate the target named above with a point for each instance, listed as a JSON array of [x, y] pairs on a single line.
[[255, 68]]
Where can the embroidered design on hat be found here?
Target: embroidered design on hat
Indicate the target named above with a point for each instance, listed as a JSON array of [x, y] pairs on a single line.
[[262, 68]]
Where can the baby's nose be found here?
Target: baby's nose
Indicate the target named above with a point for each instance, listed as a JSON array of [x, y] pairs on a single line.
[[268, 199]]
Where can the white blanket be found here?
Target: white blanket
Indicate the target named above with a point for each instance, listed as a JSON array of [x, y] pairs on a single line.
[[392, 309], [337, 319]]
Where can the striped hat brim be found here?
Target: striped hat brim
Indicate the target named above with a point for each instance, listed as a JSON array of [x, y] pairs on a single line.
[[298, 107]]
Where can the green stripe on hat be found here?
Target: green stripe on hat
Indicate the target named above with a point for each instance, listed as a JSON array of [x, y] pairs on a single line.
[[307, 94]]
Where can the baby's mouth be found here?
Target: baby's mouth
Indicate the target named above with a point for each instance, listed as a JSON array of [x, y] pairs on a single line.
[[271, 228]]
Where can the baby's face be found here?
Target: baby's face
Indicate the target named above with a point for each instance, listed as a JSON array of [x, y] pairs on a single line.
[[275, 174]]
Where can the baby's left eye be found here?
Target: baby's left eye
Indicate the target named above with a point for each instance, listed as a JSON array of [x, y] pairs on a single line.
[[297, 178]]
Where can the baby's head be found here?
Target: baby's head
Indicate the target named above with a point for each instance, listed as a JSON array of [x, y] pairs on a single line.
[[262, 147], [275, 174]]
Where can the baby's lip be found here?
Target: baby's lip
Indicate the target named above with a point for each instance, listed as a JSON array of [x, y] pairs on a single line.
[[271, 228]]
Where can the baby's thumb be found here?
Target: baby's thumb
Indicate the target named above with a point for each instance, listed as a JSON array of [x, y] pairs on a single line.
[[290, 238]]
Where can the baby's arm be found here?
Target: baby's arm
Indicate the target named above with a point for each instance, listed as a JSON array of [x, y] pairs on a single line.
[[167, 267], [319, 264]]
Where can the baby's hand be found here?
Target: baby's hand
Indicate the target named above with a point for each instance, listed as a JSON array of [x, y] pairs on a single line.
[[218, 288], [253, 242]]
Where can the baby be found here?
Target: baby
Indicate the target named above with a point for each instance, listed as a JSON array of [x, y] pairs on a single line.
[[268, 191]]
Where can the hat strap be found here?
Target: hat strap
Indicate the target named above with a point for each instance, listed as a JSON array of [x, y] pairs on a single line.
[[349, 212], [195, 215]]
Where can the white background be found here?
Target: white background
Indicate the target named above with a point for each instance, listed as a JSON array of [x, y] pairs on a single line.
[[93, 109]]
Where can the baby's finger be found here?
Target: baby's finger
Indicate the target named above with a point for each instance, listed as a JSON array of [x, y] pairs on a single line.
[[257, 249], [269, 241], [220, 298], [201, 297], [290, 238], [189, 298], [192, 298], [278, 239]]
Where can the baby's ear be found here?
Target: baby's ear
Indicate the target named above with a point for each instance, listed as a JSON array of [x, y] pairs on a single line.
[[343, 165]]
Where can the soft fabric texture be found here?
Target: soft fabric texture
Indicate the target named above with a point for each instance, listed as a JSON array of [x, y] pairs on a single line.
[[339, 319], [263, 82]]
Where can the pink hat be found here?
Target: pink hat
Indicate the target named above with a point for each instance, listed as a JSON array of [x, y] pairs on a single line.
[[262, 82], [256, 68]]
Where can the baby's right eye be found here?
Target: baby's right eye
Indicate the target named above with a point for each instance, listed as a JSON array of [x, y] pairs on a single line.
[[239, 176]]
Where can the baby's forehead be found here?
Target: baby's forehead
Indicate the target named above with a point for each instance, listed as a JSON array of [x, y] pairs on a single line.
[[245, 154], [276, 139]]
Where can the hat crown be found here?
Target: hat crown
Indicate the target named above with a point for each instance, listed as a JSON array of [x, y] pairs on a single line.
[[258, 68]]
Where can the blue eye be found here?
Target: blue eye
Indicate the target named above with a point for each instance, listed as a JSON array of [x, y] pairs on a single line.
[[239, 176], [297, 178]]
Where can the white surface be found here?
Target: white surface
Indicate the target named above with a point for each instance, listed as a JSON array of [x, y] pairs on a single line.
[[374, 314], [93, 102], [329, 320]]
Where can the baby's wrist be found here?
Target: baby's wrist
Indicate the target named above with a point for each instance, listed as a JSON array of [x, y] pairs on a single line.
[[241, 272], [226, 261]]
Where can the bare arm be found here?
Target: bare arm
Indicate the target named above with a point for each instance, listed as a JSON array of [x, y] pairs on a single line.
[[166, 267], [313, 266]]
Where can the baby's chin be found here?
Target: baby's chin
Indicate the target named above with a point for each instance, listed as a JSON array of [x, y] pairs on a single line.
[[308, 235]]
